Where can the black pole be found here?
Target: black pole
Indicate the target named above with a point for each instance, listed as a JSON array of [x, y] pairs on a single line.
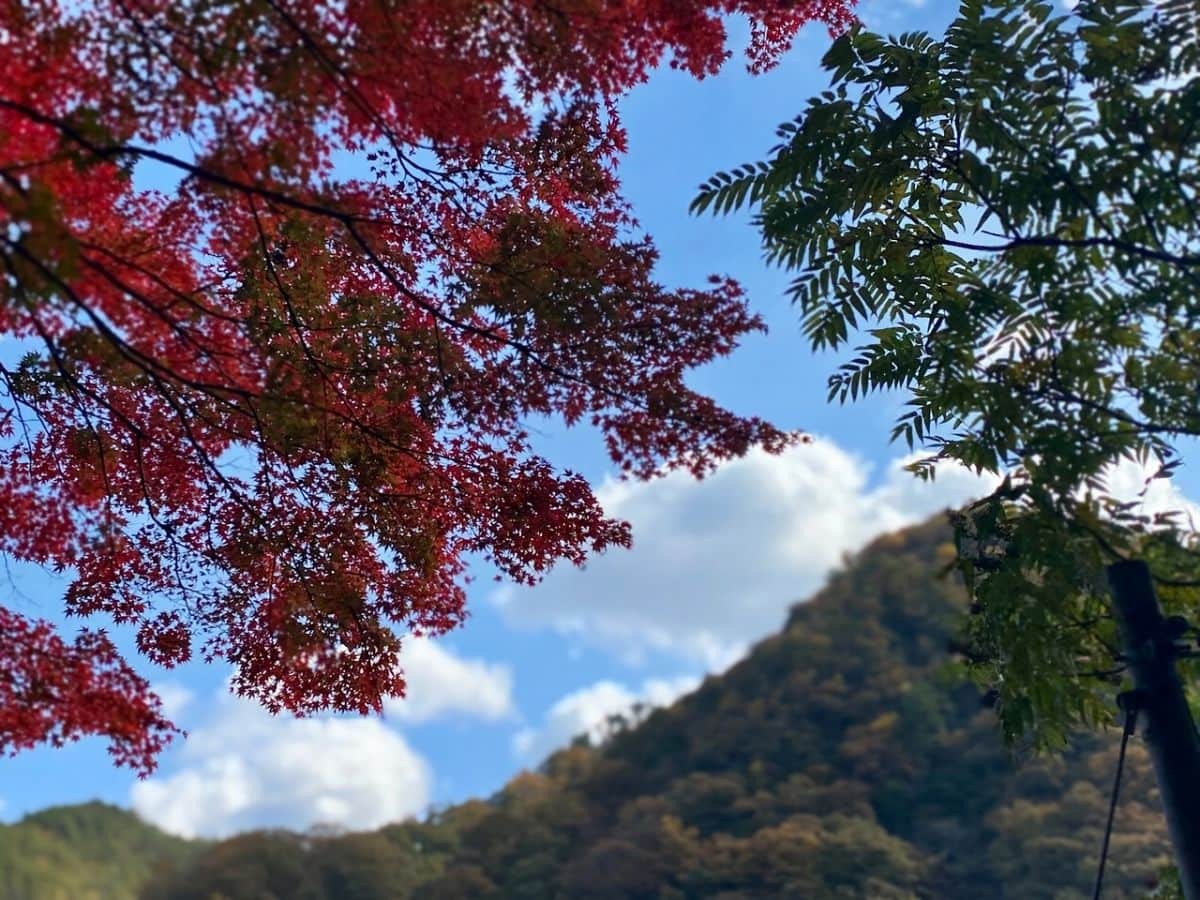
[[1168, 728]]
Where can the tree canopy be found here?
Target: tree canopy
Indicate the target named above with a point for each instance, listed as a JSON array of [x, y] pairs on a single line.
[[1010, 217], [281, 283]]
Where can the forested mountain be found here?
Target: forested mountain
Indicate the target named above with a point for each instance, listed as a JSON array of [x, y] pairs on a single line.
[[841, 758], [92, 851]]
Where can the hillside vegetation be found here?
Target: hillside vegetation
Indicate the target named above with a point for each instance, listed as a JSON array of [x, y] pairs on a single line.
[[842, 758], [92, 851]]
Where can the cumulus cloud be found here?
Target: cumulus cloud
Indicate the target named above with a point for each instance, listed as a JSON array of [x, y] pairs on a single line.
[[441, 684], [248, 769], [175, 698], [586, 711], [1131, 481], [716, 563]]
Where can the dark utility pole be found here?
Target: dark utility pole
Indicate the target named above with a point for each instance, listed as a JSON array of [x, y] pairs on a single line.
[[1166, 721]]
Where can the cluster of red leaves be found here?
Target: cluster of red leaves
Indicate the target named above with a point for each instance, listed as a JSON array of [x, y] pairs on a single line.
[[273, 401], [54, 691]]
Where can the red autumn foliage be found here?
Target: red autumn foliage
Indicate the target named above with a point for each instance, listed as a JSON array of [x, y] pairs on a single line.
[[272, 405]]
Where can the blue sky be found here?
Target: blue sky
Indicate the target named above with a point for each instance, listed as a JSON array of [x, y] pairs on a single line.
[[714, 568]]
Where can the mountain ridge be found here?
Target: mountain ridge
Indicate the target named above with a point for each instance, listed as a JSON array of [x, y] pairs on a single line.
[[840, 758]]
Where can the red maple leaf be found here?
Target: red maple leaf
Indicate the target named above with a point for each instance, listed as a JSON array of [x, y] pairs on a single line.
[[272, 408]]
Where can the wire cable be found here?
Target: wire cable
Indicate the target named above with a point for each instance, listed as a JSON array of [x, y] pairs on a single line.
[[1129, 702]]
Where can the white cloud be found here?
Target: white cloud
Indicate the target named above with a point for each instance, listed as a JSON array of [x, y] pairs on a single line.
[[586, 711], [175, 698], [716, 563], [440, 683], [1126, 480], [247, 769]]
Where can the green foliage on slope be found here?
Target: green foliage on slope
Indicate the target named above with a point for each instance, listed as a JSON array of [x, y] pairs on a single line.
[[92, 851], [844, 757]]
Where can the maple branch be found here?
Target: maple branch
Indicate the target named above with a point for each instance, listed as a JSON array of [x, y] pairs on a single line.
[[297, 444], [191, 299], [348, 220]]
